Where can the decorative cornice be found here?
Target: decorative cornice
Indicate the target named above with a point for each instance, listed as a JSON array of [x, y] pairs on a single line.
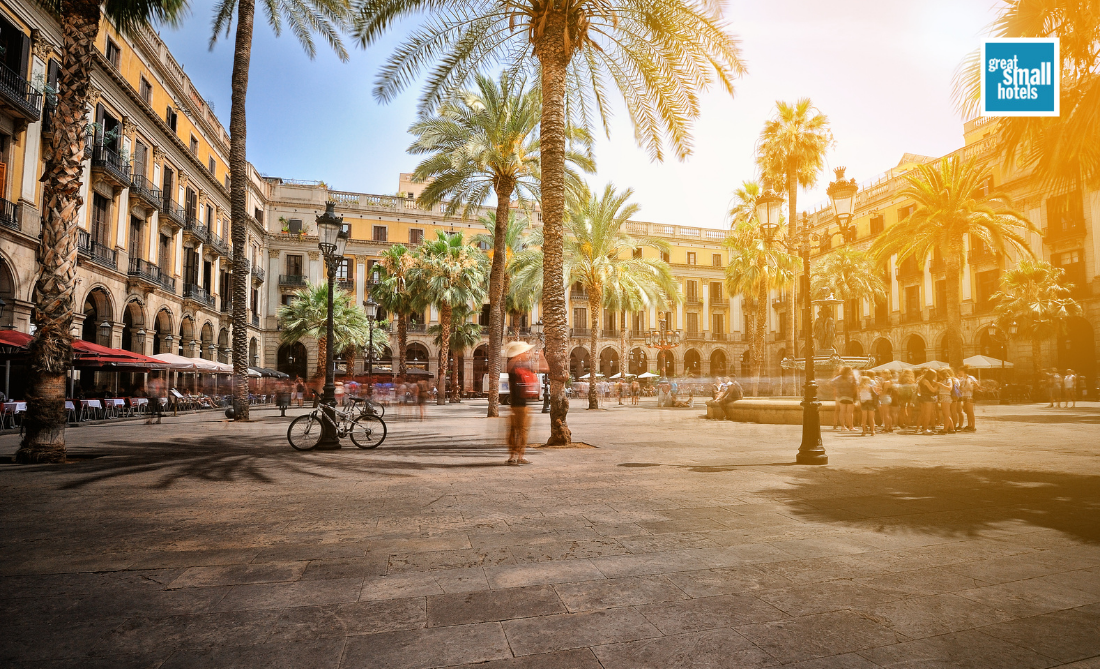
[[314, 255], [41, 47]]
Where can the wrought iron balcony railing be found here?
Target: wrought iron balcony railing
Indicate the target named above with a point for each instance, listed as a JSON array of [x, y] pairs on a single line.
[[173, 212], [18, 94], [144, 189], [197, 230], [580, 333], [196, 293], [255, 320], [218, 245], [293, 280], [94, 251], [258, 274], [152, 274], [10, 215], [107, 162]]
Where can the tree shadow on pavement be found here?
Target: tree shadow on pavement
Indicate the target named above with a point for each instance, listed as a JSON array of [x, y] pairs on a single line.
[[262, 459], [947, 501]]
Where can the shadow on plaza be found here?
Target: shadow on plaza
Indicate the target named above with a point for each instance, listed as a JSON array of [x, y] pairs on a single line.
[[266, 459], [948, 501]]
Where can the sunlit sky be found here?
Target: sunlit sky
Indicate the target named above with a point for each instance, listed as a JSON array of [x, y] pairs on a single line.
[[880, 69]]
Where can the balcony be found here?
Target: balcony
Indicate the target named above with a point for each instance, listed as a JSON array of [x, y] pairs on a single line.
[[580, 333], [198, 294], [693, 300], [293, 280], [853, 324], [226, 303], [416, 327], [983, 257], [937, 314], [218, 245], [911, 317], [94, 251], [10, 215], [144, 190], [173, 213], [17, 94], [258, 274], [695, 336], [578, 295], [147, 272], [1066, 227], [110, 167], [256, 321], [196, 230], [346, 285], [719, 336], [609, 334]]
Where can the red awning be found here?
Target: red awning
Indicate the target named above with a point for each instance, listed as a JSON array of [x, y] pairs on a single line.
[[14, 338], [86, 354]]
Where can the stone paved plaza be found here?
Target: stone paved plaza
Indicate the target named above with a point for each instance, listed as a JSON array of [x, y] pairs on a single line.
[[677, 542]]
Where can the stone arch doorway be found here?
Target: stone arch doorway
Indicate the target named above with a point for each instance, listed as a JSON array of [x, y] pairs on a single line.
[[746, 363], [253, 352], [915, 350], [293, 360], [223, 346], [481, 368], [162, 332], [7, 293], [206, 342], [97, 326], [638, 362], [693, 363], [666, 363], [1077, 349], [609, 362], [187, 335], [133, 327], [416, 356], [718, 363], [579, 362], [883, 351], [854, 348]]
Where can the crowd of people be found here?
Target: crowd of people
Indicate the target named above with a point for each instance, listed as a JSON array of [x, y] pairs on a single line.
[[918, 401], [1061, 388]]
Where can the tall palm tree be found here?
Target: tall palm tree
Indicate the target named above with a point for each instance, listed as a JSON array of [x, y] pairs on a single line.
[[1035, 296], [790, 154], [1062, 149], [449, 273], [307, 315], [518, 237], [485, 141], [659, 54], [303, 19], [755, 267], [63, 175], [606, 261], [952, 202], [847, 274], [465, 335], [392, 292], [743, 207]]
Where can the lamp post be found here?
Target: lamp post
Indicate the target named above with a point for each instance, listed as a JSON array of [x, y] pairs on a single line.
[[538, 329], [371, 307], [105, 332], [3, 307], [332, 241], [662, 339]]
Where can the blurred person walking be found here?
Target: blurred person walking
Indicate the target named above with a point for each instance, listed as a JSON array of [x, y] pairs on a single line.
[[1069, 386], [521, 382]]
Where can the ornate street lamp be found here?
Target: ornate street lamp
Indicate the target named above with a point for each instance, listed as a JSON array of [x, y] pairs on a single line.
[[769, 208], [538, 329], [139, 340], [843, 195], [105, 332], [663, 339], [371, 308], [332, 240], [3, 306]]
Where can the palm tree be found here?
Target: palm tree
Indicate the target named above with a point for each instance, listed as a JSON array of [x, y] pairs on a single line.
[[790, 154], [391, 292], [952, 203], [755, 267], [847, 274], [306, 316], [1060, 149], [62, 176], [607, 262], [518, 237], [1035, 296], [465, 335], [660, 55], [303, 18], [449, 273], [485, 142], [744, 202]]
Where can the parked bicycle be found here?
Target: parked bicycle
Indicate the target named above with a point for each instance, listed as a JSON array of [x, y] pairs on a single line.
[[365, 427]]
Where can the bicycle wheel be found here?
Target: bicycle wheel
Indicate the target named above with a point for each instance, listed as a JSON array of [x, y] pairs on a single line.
[[304, 432], [379, 408], [368, 432]]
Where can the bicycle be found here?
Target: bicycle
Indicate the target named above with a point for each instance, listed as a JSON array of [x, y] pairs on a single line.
[[369, 405], [366, 429]]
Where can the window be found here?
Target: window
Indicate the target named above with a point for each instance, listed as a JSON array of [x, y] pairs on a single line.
[[669, 320], [212, 166], [692, 290], [715, 292], [227, 183], [171, 118], [987, 186], [904, 212], [941, 298], [258, 214], [113, 53], [380, 233], [210, 219], [145, 90], [416, 236], [164, 252], [370, 270], [665, 256], [912, 302], [294, 226], [717, 324], [877, 224], [101, 220], [343, 270], [636, 253], [988, 283], [483, 317], [1071, 262], [136, 237], [882, 312], [191, 203], [190, 265], [716, 260], [1065, 213], [294, 265], [287, 300], [692, 323], [255, 305], [141, 159], [691, 257], [580, 318], [194, 145], [638, 322]]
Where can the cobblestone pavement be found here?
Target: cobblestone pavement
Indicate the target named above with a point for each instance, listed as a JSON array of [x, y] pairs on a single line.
[[678, 542]]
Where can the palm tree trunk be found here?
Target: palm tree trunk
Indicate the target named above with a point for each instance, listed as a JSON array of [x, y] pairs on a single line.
[[349, 361], [954, 311], [456, 395], [402, 343], [238, 204], [444, 352], [322, 359], [51, 349], [503, 188], [594, 309], [552, 54], [792, 193]]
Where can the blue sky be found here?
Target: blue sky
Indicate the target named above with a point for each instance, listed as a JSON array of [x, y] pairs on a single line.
[[880, 69]]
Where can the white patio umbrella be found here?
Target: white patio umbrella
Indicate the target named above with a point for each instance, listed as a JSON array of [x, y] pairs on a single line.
[[598, 375], [933, 364], [647, 375], [986, 362]]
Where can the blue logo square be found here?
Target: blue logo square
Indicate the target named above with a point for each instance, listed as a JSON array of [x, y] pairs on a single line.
[[1020, 77]]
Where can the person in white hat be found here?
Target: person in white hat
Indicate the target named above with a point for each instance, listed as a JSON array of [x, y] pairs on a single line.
[[521, 383]]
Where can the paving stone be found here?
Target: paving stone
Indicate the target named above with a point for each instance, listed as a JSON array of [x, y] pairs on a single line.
[[577, 630], [581, 658], [492, 605], [451, 559], [712, 649], [962, 650], [1030, 597], [338, 620], [709, 613], [238, 574], [803, 600], [356, 567], [919, 617], [566, 571], [612, 593], [921, 582], [397, 586], [1065, 636], [299, 593], [149, 636], [317, 654], [566, 550], [432, 647], [820, 635], [651, 563]]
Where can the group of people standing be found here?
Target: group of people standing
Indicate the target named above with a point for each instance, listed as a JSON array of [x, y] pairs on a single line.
[[1061, 388], [926, 401]]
